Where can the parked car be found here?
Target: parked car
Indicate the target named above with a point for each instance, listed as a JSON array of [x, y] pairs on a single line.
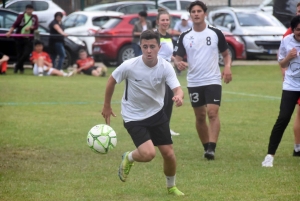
[[87, 24], [176, 5], [267, 6], [44, 9], [7, 47], [285, 10], [126, 7], [113, 42], [261, 32]]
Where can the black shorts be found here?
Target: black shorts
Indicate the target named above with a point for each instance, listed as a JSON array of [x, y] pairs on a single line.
[[155, 128], [203, 95], [89, 70]]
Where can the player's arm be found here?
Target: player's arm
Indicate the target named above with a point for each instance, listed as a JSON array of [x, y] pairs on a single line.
[[180, 53], [284, 63], [4, 58], [178, 96], [226, 75], [107, 110]]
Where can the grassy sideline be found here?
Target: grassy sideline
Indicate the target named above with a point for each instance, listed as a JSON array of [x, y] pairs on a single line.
[[43, 153]]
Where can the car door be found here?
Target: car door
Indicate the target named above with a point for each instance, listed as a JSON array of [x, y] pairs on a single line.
[[6, 21], [40, 9]]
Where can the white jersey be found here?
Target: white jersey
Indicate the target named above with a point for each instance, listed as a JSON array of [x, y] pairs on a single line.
[[145, 87], [202, 50], [292, 74]]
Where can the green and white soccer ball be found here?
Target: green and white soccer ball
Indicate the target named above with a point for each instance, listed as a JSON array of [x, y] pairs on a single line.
[[101, 138]]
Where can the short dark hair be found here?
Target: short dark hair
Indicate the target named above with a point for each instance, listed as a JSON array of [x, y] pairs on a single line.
[[38, 42], [143, 13], [197, 3], [150, 34], [294, 22], [82, 51], [29, 6], [58, 14], [298, 4]]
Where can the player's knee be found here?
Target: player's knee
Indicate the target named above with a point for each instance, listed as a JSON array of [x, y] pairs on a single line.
[[212, 115], [148, 155], [169, 155]]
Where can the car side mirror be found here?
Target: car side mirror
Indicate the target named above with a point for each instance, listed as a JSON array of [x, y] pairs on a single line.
[[231, 27]]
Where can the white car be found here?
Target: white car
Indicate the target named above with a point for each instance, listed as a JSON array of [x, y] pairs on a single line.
[[84, 24], [44, 9], [176, 4]]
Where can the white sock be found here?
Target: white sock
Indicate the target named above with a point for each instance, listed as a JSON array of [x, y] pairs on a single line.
[[130, 157], [40, 70], [170, 181], [65, 74], [45, 68], [297, 147]]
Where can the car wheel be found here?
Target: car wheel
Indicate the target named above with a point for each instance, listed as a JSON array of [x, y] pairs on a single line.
[[68, 60], [231, 53], [125, 53]]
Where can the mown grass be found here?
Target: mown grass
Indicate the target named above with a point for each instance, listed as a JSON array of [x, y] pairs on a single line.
[[43, 153]]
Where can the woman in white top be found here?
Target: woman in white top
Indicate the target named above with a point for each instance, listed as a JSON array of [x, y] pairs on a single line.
[[166, 52]]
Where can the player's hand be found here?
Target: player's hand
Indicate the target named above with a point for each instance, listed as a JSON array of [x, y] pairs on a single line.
[[178, 101], [293, 53], [226, 75], [106, 113], [181, 65], [27, 29]]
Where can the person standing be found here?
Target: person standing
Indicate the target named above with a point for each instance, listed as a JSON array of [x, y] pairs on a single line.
[[166, 52], [56, 41], [296, 128], [288, 57], [201, 44], [26, 23], [142, 107], [139, 26]]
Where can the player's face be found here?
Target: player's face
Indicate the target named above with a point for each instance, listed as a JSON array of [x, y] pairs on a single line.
[[197, 15], [83, 55], [298, 10], [150, 50], [163, 22], [297, 32], [38, 48]]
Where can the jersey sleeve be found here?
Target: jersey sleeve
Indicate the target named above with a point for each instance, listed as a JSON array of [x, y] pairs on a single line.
[[282, 52], [120, 73], [179, 48], [176, 27], [32, 57], [48, 59], [171, 78], [222, 43]]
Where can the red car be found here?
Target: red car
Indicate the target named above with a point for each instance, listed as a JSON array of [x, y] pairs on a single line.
[[113, 41]]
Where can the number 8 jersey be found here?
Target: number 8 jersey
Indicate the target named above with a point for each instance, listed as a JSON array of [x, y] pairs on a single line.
[[202, 50]]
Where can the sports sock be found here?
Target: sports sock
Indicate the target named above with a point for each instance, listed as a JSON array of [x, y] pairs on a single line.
[[130, 157], [170, 181], [205, 145], [40, 69], [297, 147], [211, 146]]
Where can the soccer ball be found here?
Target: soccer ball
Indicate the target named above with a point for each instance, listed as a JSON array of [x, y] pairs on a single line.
[[101, 138]]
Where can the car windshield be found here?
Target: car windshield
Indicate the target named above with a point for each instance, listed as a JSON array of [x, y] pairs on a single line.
[[111, 23], [256, 19]]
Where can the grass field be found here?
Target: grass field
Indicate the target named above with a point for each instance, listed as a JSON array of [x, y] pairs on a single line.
[[43, 153]]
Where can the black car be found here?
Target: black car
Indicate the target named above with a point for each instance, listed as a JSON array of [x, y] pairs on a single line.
[[285, 10], [7, 47]]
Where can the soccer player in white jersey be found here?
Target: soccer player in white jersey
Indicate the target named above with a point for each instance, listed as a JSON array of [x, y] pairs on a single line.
[[288, 57], [142, 107], [201, 44]]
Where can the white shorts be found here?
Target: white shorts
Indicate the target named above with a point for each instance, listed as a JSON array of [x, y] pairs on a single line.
[[36, 70]]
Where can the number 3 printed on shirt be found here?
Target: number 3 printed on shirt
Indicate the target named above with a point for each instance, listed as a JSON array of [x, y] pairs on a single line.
[[194, 97]]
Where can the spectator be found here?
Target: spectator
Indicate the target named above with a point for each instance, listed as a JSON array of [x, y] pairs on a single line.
[[87, 65], [57, 41], [42, 62], [3, 63], [25, 23], [139, 26]]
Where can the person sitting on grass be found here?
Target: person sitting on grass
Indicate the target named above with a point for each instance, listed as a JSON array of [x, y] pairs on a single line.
[[42, 62], [86, 65], [3, 63]]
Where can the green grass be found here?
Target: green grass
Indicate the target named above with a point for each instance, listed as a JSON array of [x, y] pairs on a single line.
[[43, 153]]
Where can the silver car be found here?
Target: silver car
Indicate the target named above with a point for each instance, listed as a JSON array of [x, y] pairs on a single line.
[[44, 9], [260, 31]]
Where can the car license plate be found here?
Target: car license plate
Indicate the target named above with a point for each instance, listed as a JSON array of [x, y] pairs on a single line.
[[272, 51], [96, 49]]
